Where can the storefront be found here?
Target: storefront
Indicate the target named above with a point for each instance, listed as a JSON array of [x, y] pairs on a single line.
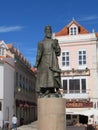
[[26, 110], [78, 112]]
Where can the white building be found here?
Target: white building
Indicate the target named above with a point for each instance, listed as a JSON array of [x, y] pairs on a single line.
[[6, 86], [17, 86]]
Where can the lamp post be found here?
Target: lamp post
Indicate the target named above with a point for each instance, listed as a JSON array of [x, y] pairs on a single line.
[[19, 89], [16, 94]]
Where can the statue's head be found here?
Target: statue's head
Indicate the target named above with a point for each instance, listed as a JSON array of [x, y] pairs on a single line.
[[48, 31]]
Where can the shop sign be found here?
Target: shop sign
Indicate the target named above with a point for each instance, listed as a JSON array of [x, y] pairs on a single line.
[[79, 104]]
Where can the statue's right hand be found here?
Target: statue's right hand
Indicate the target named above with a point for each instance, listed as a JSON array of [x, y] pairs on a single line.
[[35, 69]]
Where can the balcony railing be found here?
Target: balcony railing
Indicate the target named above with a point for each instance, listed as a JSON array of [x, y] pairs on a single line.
[[76, 94], [75, 91]]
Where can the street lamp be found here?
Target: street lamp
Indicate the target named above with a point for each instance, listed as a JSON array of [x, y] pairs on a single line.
[[19, 89]]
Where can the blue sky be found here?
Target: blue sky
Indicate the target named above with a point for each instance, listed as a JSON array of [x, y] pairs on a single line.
[[22, 22]]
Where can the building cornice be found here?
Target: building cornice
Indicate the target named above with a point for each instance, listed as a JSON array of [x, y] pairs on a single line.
[[76, 38]]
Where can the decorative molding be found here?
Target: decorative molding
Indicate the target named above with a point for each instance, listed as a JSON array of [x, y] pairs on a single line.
[[75, 72]]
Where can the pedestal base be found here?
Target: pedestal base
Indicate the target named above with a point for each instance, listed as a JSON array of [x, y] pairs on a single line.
[[51, 114]]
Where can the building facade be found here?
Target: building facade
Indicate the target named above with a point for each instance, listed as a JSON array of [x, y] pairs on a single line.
[[79, 65], [17, 85]]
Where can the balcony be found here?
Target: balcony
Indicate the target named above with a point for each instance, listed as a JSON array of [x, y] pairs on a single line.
[[76, 94]]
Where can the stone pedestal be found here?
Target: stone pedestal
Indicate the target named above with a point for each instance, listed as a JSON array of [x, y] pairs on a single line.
[[51, 114]]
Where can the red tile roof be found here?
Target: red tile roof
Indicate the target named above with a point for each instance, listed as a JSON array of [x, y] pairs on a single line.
[[65, 30], [19, 54], [33, 69], [2, 57], [9, 45], [97, 35]]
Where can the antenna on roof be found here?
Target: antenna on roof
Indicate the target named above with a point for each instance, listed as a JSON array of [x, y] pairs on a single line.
[[93, 30], [73, 19], [18, 47]]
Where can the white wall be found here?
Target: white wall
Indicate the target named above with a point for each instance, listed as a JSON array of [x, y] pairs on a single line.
[[1, 81], [8, 91], [7, 71], [1, 91]]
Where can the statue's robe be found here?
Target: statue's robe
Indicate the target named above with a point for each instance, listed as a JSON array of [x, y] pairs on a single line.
[[48, 72]]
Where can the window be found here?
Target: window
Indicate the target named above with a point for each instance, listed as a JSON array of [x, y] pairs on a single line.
[[68, 117], [65, 59], [20, 81], [82, 57], [83, 85], [17, 79], [0, 106], [26, 84], [2, 51], [23, 83], [74, 85], [74, 116], [73, 30], [65, 85]]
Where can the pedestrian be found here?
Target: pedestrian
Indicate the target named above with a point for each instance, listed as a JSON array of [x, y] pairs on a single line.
[[21, 121], [14, 122]]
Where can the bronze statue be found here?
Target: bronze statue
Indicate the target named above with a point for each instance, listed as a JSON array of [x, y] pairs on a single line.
[[48, 71]]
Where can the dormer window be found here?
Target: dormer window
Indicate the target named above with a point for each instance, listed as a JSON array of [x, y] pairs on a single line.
[[2, 51], [73, 30], [3, 48]]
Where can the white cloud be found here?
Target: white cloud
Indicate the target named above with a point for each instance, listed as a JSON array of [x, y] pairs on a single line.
[[10, 28], [93, 17]]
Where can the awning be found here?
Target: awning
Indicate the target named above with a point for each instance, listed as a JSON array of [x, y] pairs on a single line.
[[72, 112], [26, 105], [89, 112], [22, 103]]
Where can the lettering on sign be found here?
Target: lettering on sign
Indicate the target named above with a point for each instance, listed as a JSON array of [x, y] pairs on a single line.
[[79, 104]]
